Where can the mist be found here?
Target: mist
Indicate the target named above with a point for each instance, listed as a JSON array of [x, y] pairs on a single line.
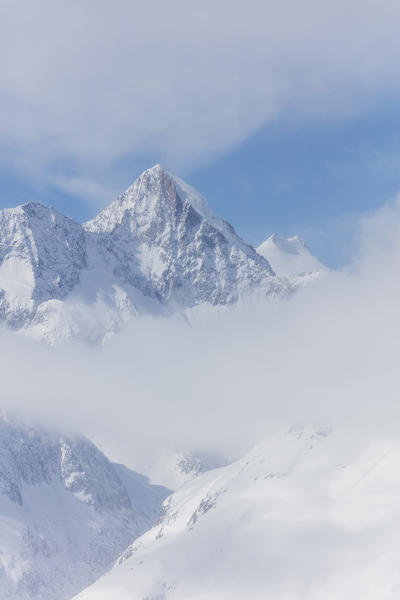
[[327, 355]]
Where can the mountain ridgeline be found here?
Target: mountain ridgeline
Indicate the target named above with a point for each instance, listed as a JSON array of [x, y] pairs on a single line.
[[158, 248], [67, 512]]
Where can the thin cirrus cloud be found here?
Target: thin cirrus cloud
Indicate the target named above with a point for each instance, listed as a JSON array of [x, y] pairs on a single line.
[[86, 85]]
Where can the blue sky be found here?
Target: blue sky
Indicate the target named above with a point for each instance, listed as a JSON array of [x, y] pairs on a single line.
[[284, 116], [314, 179]]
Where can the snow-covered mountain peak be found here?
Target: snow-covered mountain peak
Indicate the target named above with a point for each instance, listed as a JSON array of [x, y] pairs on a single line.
[[41, 255], [163, 198], [290, 257], [152, 195], [292, 245], [158, 248], [164, 238], [159, 179], [35, 211], [35, 208]]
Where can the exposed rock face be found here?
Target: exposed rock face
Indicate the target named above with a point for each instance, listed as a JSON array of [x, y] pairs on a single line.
[[67, 513], [157, 249], [42, 254], [161, 236]]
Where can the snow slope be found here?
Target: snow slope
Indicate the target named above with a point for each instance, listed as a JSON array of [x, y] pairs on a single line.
[[173, 469], [162, 237], [299, 517], [157, 249], [41, 255], [290, 257], [66, 512]]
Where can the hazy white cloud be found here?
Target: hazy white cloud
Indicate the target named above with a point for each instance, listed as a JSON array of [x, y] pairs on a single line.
[[327, 355], [84, 85]]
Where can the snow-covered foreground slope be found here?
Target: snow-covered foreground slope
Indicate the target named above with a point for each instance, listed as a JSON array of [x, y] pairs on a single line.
[[290, 257], [157, 249], [173, 469], [66, 512], [302, 516]]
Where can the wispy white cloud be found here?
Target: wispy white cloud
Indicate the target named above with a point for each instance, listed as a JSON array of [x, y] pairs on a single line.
[[94, 192], [91, 83], [327, 355]]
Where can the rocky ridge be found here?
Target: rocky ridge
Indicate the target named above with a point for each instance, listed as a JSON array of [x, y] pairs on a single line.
[[157, 249]]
